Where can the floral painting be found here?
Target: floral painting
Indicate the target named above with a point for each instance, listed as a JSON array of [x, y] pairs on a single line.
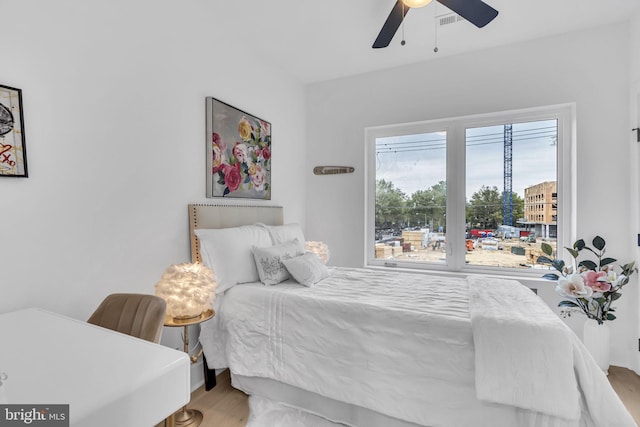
[[238, 153]]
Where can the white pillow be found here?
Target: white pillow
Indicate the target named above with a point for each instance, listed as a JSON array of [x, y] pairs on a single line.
[[286, 233], [269, 261], [227, 251], [307, 269]]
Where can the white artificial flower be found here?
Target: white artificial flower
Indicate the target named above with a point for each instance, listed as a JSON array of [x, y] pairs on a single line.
[[616, 280], [573, 286], [610, 277]]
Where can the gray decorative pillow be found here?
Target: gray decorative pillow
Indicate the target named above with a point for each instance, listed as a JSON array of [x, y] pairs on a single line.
[[269, 261], [307, 269]]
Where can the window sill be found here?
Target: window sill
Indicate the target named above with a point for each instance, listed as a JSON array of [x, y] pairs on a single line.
[[529, 277]]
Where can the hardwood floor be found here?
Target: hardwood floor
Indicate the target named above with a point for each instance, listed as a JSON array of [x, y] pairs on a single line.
[[225, 406], [627, 384]]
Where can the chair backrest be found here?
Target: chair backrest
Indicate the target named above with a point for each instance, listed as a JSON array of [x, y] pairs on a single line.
[[138, 315]]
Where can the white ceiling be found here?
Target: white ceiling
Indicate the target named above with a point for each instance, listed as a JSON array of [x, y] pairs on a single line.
[[326, 39]]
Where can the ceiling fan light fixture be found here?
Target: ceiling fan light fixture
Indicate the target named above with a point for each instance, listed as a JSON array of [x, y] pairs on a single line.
[[416, 3], [476, 12]]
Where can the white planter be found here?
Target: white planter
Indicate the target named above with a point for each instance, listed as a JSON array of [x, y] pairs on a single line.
[[597, 340]]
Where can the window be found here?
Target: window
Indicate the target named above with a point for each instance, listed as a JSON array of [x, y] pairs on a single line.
[[470, 193]]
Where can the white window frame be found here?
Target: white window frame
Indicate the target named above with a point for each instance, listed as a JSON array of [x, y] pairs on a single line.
[[456, 182]]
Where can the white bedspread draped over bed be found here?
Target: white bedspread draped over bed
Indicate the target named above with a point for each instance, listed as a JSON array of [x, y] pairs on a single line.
[[435, 352], [517, 337]]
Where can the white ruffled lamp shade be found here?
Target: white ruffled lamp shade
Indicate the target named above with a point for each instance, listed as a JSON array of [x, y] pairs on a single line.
[[188, 289], [320, 249]]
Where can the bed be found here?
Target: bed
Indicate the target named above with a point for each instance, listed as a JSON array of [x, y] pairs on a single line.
[[324, 346]]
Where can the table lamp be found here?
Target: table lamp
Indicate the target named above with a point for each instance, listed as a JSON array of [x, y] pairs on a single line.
[[320, 249], [189, 290]]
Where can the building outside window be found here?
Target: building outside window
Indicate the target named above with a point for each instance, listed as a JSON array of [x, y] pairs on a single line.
[[541, 209]]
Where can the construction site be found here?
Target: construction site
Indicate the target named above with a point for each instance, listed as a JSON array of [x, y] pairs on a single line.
[[417, 245]]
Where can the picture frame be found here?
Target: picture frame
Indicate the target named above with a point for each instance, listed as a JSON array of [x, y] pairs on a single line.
[[13, 149], [238, 153]]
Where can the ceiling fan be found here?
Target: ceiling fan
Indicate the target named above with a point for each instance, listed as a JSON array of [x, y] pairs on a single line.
[[475, 11]]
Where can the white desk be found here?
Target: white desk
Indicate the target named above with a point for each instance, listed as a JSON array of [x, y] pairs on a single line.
[[107, 378]]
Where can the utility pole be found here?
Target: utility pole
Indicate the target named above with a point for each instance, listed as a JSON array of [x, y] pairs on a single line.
[[507, 199]]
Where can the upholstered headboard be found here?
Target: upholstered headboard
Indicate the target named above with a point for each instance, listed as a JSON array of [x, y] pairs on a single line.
[[225, 216]]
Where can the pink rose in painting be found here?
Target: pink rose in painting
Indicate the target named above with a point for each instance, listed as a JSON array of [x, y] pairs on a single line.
[[265, 128], [217, 158], [266, 154], [219, 142], [241, 152], [219, 148], [245, 129], [596, 280], [257, 175], [232, 176]]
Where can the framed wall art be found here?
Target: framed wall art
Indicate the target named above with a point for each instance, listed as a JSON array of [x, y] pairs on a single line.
[[13, 150], [238, 153]]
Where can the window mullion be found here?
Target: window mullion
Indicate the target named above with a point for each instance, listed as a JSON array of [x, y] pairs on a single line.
[[455, 195]]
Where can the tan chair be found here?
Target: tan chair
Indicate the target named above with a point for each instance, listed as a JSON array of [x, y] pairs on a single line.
[[138, 315]]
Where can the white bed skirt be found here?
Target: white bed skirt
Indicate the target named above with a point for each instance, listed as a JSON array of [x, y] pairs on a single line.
[[267, 411]]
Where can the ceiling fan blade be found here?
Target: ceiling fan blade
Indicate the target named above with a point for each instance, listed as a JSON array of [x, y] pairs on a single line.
[[391, 25], [475, 11]]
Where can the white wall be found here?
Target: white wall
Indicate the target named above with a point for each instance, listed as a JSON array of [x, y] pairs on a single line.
[[114, 102], [589, 68]]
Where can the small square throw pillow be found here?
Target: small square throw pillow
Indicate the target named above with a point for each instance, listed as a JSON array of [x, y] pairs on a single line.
[[307, 269], [269, 261]]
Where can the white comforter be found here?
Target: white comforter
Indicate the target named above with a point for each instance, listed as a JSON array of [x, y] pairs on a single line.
[[406, 347]]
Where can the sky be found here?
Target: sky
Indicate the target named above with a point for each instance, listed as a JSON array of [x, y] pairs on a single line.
[[416, 162]]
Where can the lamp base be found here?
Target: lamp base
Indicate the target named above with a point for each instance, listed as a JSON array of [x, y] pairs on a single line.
[[188, 417]]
